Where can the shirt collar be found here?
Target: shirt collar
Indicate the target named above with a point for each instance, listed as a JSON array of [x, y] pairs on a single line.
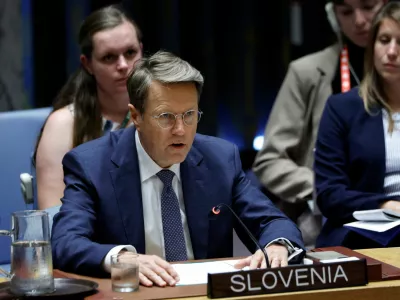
[[147, 167]]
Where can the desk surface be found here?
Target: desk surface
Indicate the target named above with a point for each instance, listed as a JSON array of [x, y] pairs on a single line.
[[374, 290]]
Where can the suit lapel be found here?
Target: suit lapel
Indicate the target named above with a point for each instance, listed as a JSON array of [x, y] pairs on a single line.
[[328, 61], [193, 174], [127, 187]]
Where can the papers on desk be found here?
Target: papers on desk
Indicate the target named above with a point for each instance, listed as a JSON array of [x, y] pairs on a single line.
[[196, 273], [377, 215], [380, 225], [335, 260], [378, 220]]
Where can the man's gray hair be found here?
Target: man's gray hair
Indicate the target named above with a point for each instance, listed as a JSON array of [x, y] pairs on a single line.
[[163, 67]]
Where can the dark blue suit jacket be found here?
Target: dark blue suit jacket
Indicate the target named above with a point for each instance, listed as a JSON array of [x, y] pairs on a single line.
[[102, 203], [349, 166]]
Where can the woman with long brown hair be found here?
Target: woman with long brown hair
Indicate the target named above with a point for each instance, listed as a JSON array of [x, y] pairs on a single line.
[[93, 101]]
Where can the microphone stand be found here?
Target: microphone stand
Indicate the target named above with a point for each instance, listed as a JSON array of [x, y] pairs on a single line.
[[217, 209]]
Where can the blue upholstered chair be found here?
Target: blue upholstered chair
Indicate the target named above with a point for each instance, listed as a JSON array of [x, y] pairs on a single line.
[[18, 134]]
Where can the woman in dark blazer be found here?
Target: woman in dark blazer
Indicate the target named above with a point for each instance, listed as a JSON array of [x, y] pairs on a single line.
[[357, 155]]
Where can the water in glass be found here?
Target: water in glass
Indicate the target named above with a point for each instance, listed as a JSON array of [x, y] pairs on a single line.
[[124, 277], [32, 268]]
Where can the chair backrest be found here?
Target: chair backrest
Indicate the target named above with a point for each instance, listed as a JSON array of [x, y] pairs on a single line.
[[18, 134]]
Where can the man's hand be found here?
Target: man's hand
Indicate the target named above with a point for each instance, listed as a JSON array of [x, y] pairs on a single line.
[[155, 270], [277, 255]]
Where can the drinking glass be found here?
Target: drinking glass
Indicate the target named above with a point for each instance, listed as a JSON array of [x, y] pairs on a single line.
[[31, 259], [125, 272]]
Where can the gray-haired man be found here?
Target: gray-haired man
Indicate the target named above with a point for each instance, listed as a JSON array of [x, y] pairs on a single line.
[[152, 187]]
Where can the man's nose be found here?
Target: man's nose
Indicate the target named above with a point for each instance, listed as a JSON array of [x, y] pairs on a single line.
[[179, 127]]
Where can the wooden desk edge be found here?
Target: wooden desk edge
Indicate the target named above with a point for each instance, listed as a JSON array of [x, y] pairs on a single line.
[[372, 291]]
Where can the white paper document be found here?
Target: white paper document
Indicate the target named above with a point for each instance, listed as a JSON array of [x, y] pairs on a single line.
[[197, 273], [377, 220], [374, 226], [329, 261], [376, 215]]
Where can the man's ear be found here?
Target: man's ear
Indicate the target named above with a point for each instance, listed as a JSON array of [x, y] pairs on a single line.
[[135, 116], [86, 64]]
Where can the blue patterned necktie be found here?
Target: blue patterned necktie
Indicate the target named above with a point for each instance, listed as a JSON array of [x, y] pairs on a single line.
[[174, 240]]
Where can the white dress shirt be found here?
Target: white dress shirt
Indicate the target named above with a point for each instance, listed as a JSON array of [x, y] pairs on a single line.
[[152, 188], [391, 183]]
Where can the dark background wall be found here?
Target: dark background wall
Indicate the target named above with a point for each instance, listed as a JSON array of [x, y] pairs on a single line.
[[242, 49]]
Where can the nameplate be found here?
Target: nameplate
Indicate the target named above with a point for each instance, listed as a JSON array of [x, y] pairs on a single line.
[[287, 279]]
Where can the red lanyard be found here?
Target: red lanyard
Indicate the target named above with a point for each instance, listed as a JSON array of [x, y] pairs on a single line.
[[344, 70]]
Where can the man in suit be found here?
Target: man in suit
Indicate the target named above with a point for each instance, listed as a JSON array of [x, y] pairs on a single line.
[[153, 186]]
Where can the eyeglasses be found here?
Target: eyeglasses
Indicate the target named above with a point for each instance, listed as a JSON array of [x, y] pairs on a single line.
[[167, 120]]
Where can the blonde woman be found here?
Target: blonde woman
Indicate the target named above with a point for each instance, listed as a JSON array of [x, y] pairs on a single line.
[[357, 158]]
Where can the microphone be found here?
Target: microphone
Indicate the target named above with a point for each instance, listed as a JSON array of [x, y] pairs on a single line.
[[217, 209]]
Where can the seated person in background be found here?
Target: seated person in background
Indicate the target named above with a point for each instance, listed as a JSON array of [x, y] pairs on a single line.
[[93, 101], [153, 186], [357, 157], [284, 164]]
